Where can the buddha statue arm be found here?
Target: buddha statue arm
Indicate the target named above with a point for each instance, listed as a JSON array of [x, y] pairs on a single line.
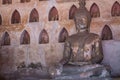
[[98, 52], [66, 53]]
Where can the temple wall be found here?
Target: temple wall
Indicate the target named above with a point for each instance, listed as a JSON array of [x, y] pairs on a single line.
[[111, 56], [15, 53]]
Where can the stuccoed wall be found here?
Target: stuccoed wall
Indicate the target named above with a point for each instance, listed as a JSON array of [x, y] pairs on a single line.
[[47, 54], [111, 49]]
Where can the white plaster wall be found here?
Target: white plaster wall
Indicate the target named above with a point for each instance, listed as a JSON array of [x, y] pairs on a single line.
[[111, 51]]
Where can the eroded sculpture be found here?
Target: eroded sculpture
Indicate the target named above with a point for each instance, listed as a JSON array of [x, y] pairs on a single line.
[[83, 46], [82, 51]]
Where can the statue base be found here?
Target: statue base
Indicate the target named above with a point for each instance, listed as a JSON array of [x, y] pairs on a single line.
[[70, 72], [86, 72]]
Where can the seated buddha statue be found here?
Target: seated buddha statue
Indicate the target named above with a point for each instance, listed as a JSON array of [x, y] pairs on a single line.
[[82, 51], [83, 47]]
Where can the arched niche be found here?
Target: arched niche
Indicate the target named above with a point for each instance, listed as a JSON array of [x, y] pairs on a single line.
[[107, 33], [63, 35], [15, 17], [27, 0], [53, 14], [25, 38], [5, 39], [43, 38], [6, 1], [23, 1], [72, 11], [115, 9], [94, 11], [0, 20], [34, 16]]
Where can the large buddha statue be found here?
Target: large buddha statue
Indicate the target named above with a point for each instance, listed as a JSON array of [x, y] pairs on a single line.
[[83, 47], [82, 51]]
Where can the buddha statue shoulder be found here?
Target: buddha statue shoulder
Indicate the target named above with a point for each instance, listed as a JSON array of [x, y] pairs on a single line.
[[83, 47]]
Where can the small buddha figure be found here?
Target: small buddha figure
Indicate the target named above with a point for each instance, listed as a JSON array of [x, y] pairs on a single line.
[[82, 51]]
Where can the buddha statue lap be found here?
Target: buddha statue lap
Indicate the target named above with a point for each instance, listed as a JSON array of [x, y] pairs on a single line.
[[82, 51]]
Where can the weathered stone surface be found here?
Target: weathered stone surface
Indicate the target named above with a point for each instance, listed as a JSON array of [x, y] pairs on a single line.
[[35, 73], [27, 74], [111, 50], [94, 78], [90, 72], [86, 72]]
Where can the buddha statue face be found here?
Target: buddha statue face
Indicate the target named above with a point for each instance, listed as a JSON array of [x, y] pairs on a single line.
[[82, 17], [81, 23]]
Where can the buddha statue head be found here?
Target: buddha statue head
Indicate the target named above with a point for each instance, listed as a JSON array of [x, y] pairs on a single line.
[[82, 18]]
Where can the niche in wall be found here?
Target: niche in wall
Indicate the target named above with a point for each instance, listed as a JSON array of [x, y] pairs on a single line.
[[6, 1], [115, 11], [94, 11], [25, 38], [34, 16], [63, 35], [53, 14], [106, 33], [43, 38], [5, 39], [23, 1], [72, 11], [15, 17]]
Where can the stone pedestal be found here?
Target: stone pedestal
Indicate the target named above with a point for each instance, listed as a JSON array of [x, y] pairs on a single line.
[[86, 72]]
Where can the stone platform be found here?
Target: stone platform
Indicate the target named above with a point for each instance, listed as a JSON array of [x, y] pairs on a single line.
[[88, 72]]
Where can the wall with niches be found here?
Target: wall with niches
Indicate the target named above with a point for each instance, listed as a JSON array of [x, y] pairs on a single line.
[[15, 53]]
